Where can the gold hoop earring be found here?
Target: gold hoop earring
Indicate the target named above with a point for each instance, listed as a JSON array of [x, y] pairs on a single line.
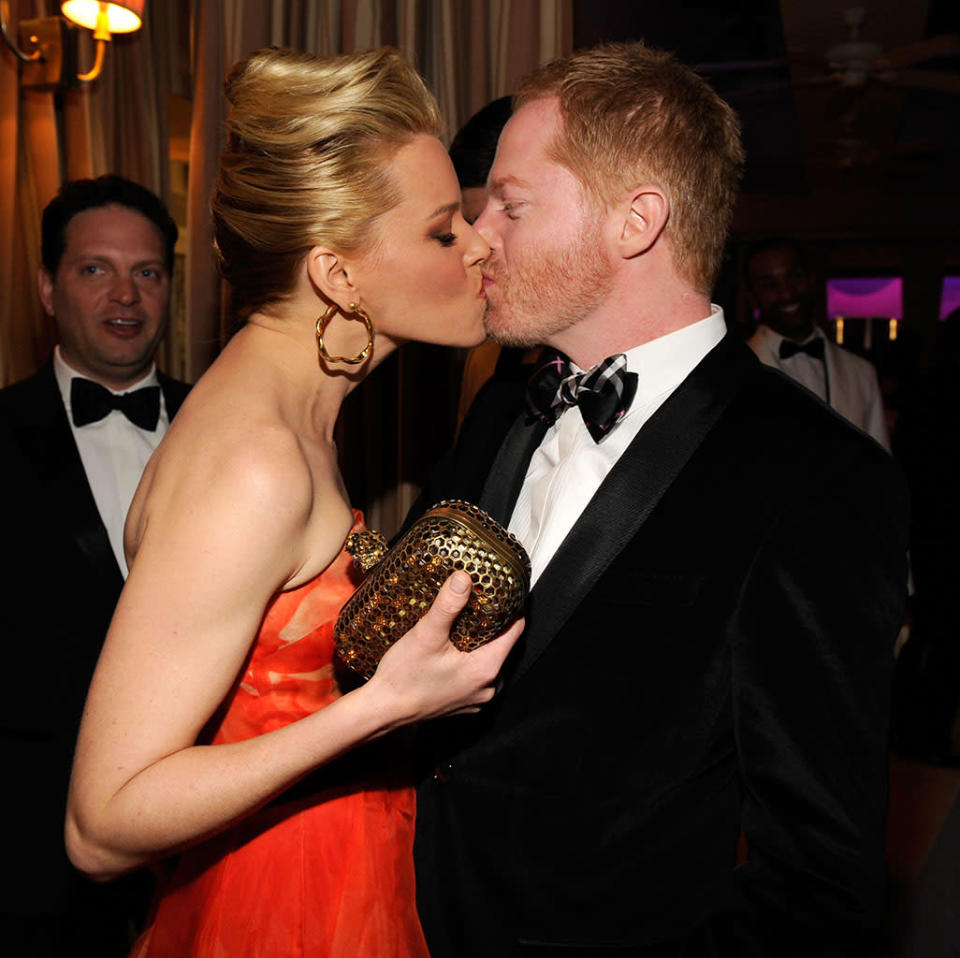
[[324, 318]]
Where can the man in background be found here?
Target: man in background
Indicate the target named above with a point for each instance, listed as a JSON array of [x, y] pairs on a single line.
[[781, 289], [74, 440]]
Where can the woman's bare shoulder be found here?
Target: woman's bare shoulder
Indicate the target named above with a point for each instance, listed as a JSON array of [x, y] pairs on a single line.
[[252, 454], [233, 462], [236, 455], [240, 472]]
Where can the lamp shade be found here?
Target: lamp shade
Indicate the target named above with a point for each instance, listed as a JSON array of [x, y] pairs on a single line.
[[123, 17], [865, 297]]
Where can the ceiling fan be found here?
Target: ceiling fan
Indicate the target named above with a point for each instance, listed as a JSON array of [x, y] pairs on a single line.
[[856, 62], [851, 64], [863, 75], [849, 119]]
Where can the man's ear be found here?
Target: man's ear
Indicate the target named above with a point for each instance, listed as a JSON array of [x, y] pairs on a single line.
[[645, 214], [331, 275], [45, 289]]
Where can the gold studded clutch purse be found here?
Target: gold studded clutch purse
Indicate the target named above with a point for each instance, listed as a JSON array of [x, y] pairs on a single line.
[[403, 582]]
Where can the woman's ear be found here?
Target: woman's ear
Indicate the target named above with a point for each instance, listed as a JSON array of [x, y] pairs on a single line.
[[646, 212], [331, 275]]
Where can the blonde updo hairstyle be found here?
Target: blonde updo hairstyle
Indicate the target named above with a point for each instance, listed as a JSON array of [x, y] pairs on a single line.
[[309, 141]]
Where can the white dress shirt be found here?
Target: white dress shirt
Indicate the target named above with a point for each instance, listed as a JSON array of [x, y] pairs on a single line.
[[568, 467], [846, 381], [807, 370], [114, 453]]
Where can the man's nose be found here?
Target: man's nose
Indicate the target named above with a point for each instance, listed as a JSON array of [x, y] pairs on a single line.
[[478, 249], [125, 290], [784, 291], [485, 229]]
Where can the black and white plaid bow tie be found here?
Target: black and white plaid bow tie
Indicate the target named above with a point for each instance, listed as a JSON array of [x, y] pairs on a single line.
[[91, 402], [603, 393]]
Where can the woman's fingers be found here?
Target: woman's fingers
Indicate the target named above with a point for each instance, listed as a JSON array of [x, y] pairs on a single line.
[[492, 655], [449, 603], [450, 600], [424, 675]]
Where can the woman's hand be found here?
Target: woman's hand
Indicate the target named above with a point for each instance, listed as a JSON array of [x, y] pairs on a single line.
[[424, 675]]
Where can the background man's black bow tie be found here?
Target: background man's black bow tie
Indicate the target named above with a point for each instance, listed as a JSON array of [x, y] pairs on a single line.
[[91, 402], [814, 347], [603, 393]]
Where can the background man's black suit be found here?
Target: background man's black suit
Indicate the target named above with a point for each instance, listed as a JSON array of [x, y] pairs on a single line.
[[709, 650], [60, 589]]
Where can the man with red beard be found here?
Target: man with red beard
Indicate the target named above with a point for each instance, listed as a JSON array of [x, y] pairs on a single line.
[[781, 286], [718, 572], [74, 440]]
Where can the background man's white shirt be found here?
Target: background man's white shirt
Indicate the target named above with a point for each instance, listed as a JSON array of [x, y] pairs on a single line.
[[854, 390], [114, 453]]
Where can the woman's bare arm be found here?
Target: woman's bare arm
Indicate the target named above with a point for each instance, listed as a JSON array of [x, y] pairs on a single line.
[[211, 557]]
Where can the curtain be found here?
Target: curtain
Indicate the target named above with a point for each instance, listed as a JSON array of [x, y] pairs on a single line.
[[29, 177]]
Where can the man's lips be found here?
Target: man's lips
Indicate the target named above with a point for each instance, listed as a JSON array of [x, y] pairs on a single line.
[[124, 326]]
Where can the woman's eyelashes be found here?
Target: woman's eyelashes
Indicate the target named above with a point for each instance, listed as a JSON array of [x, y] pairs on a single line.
[[444, 234]]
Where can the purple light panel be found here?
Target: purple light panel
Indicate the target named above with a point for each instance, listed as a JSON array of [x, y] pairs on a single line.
[[949, 295], [865, 298]]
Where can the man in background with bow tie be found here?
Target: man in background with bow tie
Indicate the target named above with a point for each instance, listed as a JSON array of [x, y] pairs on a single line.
[[718, 572], [780, 287], [74, 440]]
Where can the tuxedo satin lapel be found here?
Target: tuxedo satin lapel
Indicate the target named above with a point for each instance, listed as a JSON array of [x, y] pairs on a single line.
[[507, 473], [630, 493], [91, 538], [174, 393], [47, 437]]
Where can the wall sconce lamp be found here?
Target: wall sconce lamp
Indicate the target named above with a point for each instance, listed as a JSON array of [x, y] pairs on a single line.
[[49, 54]]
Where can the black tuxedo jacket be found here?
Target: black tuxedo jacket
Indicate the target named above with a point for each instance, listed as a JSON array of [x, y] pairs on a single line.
[[59, 593], [709, 652]]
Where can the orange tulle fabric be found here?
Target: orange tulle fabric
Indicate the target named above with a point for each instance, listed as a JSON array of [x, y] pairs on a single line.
[[327, 874]]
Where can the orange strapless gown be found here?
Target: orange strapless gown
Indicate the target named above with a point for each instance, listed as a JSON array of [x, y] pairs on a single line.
[[324, 872]]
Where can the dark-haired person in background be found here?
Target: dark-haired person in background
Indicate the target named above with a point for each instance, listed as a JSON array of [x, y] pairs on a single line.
[[472, 152], [781, 287], [74, 439]]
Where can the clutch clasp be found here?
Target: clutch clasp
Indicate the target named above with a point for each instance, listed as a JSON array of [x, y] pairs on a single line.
[[367, 548]]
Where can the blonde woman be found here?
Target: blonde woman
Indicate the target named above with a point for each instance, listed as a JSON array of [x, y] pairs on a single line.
[[339, 228]]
